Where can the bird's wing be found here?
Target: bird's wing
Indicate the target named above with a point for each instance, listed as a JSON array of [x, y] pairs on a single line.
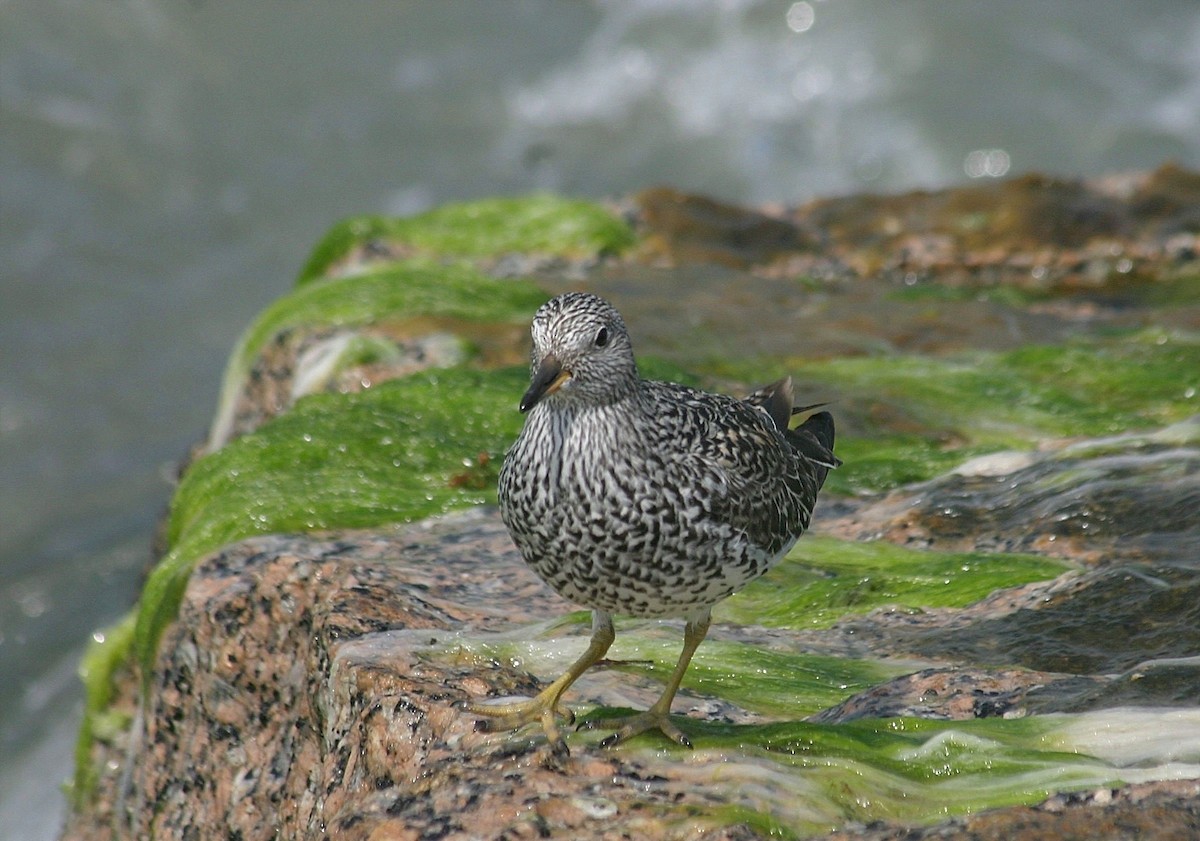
[[750, 478]]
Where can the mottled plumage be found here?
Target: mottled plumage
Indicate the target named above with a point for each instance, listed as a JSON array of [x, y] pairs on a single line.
[[647, 498]]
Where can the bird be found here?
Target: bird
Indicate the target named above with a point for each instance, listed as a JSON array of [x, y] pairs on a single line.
[[645, 498]]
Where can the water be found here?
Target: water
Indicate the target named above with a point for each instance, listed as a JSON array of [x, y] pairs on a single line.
[[164, 168]]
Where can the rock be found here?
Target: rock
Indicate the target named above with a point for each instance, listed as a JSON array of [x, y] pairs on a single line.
[[683, 228], [309, 689], [1014, 533], [1134, 497], [294, 699], [948, 693], [1166, 811]]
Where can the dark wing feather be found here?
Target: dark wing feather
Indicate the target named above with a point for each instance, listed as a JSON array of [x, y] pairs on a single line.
[[771, 474], [813, 439]]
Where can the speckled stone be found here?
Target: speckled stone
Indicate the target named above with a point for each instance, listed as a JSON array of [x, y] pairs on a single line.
[[293, 699], [296, 698], [950, 694]]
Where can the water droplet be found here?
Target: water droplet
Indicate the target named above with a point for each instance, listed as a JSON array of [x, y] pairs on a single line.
[[987, 163], [800, 17]]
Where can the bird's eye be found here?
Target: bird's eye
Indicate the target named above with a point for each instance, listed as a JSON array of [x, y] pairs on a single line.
[[602, 337]]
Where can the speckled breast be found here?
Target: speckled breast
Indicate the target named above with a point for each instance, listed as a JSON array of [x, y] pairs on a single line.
[[599, 520]]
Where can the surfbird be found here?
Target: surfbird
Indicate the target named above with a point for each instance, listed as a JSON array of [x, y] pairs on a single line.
[[645, 498]]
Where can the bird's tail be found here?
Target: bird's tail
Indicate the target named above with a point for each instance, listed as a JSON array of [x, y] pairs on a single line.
[[813, 439]]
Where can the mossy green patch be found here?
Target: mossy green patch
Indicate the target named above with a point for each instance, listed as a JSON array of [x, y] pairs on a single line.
[[900, 769], [538, 224], [883, 461], [393, 291], [918, 749], [389, 454], [763, 680], [913, 417], [824, 579], [106, 652], [796, 778], [799, 777], [1084, 388]]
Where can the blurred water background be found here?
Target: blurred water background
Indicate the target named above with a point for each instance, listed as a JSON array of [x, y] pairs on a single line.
[[165, 167]]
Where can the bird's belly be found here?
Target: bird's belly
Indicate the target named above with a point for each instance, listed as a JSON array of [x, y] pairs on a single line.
[[651, 567]]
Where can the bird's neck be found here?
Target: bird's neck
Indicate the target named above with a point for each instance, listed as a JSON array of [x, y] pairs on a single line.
[[592, 424]]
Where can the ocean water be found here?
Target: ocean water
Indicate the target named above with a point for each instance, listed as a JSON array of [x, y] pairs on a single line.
[[164, 168]]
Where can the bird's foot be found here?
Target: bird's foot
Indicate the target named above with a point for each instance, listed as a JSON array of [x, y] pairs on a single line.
[[544, 707], [628, 726]]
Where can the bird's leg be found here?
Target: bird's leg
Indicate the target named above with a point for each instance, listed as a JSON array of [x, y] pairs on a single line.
[[658, 716], [544, 706]]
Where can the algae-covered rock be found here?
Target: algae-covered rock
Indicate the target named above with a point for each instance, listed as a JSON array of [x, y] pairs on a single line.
[[1005, 564], [315, 682]]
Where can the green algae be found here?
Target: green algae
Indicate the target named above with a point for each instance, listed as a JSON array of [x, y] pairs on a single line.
[[824, 579], [896, 769], [392, 291], [385, 455], [766, 681], [797, 778], [763, 680], [530, 225], [106, 652], [918, 749], [885, 461], [913, 417]]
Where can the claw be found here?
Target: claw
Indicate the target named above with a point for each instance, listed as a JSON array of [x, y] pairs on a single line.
[[559, 748], [499, 717], [546, 707], [631, 725]]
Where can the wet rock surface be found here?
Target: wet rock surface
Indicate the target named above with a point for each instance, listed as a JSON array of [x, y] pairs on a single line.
[[1128, 498], [1127, 508], [297, 697], [1167, 811], [310, 685], [326, 674], [1037, 232]]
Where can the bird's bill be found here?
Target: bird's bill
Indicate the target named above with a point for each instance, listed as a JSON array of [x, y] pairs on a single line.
[[547, 379]]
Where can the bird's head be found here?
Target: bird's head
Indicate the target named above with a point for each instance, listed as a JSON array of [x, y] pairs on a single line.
[[581, 353]]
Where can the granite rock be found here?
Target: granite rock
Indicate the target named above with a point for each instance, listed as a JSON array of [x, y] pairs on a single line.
[[295, 698]]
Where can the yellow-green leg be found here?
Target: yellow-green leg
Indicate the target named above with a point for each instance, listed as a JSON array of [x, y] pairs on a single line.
[[544, 706], [658, 716]]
